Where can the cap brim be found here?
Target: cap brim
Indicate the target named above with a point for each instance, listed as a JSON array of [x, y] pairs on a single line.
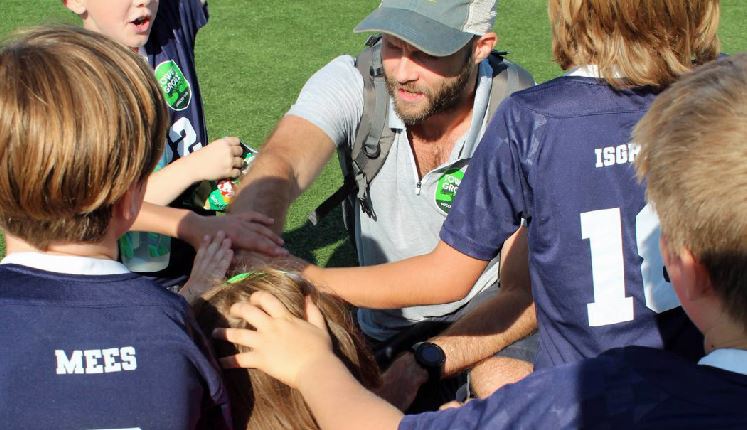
[[428, 35]]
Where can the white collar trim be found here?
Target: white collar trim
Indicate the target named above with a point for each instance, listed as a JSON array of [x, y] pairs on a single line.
[[68, 264], [733, 360], [590, 71]]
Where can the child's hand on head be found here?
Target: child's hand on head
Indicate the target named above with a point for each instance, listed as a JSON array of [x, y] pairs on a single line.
[[219, 160], [210, 265], [282, 345]]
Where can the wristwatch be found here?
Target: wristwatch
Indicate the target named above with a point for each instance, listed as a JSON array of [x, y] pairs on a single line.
[[431, 358]]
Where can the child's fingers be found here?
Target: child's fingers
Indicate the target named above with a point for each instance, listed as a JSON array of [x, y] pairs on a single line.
[[314, 315], [246, 360], [239, 336], [270, 304], [252, 315]]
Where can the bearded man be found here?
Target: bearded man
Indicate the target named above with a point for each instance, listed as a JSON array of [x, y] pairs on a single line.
[[434, 57]]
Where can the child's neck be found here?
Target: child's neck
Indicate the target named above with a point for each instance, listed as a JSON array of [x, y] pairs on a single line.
[[106, 249]]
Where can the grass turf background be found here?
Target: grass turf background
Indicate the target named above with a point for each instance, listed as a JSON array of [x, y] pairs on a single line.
[[253, 58]]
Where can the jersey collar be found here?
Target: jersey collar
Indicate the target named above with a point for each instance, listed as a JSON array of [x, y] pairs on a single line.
[[733, 360], [67, 264]]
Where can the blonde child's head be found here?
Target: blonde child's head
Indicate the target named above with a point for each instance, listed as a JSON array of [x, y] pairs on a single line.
[[258, 400], [82, 123], [128, 22], [694, 159], [635, 42]]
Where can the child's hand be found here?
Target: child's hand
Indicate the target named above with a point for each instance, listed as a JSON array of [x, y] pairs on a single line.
[[219, 160], [281, 345], [211, 263], [247, 230]]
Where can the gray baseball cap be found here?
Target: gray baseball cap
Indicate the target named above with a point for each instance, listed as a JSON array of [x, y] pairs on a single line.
[[436, 27]]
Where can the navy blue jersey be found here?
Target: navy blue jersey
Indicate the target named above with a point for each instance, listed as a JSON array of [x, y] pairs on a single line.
[[560, 156], [102, 352], [170, 52], [626, 388]]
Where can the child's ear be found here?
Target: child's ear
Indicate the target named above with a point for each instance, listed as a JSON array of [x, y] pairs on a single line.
[[688, 275], [128, 207], [78, 7]]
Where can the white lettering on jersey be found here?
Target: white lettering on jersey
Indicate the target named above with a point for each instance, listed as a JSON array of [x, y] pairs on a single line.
[[96, 360], [616, 155]]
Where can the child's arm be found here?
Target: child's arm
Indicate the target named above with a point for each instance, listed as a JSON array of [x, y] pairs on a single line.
[[299, 354], [246, 230], [210, 266], [220, 159], [441, 276]]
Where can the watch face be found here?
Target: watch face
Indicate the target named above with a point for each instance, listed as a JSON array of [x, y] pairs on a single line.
[[431, 355]]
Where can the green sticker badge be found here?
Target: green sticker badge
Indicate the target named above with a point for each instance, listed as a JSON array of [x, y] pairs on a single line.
[[176, 89], [447, 188]]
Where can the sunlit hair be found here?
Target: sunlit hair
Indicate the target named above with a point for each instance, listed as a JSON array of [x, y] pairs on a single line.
[[259, 401], [694, 159], [82, 120], [635, 42]]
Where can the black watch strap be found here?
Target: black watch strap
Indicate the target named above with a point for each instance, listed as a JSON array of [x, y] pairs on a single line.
[[431, 358]]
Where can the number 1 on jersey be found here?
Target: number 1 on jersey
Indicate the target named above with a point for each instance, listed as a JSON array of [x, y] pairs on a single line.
[[603, 228]]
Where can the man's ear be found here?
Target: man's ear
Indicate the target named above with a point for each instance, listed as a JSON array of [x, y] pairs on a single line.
[[483, 45], [78, 7]]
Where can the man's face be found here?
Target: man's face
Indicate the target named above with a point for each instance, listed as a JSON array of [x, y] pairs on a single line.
[[129, 22], [422, 85]]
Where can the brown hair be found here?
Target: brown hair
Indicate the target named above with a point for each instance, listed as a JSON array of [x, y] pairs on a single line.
[[635, 42], [82, 120], [694, 158], [258, 400]]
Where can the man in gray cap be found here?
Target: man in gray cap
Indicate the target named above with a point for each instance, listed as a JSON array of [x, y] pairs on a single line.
[[440, 90]]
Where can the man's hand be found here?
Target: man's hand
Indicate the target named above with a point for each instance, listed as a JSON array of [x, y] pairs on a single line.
[[281, 345], [401, 382], [249, 230]]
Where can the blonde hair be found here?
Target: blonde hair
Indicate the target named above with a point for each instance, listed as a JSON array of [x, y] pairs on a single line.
[[258, 400], [82, 120], [635, 42], [694, 158]]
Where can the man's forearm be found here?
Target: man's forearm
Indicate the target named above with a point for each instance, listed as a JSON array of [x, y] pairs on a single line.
[[494, 325], [287, 164]]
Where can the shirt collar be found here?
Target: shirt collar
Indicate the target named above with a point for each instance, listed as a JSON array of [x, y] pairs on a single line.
[[733, 360], [67, 264], [590, 71]]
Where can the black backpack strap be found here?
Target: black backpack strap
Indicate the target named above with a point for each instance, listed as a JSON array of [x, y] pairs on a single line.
[[373, 139], [507, 78]]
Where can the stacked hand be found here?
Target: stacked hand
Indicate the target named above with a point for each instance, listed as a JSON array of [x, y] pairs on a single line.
[[281, 345]]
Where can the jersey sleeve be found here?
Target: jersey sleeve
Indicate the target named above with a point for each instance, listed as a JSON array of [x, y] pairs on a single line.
[[193, 15], [332, 99], [493, 197]]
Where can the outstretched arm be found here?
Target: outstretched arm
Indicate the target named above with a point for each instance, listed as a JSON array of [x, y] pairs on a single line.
[[218, 160], [444, 275], [286, 165], [247, 231], [299, 354]]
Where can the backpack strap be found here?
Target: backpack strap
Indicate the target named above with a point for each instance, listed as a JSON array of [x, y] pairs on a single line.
[[373, 139]]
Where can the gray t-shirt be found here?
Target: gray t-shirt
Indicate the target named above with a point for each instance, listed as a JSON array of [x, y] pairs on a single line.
[[409, 210]]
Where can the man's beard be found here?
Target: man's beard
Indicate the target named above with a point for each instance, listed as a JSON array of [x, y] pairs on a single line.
[[442, 99]]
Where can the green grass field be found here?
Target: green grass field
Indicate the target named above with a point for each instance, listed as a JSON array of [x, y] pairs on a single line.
[[253, 57]]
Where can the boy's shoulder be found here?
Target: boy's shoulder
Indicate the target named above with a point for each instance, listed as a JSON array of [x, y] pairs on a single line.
[[96, 291], [577, 96]]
